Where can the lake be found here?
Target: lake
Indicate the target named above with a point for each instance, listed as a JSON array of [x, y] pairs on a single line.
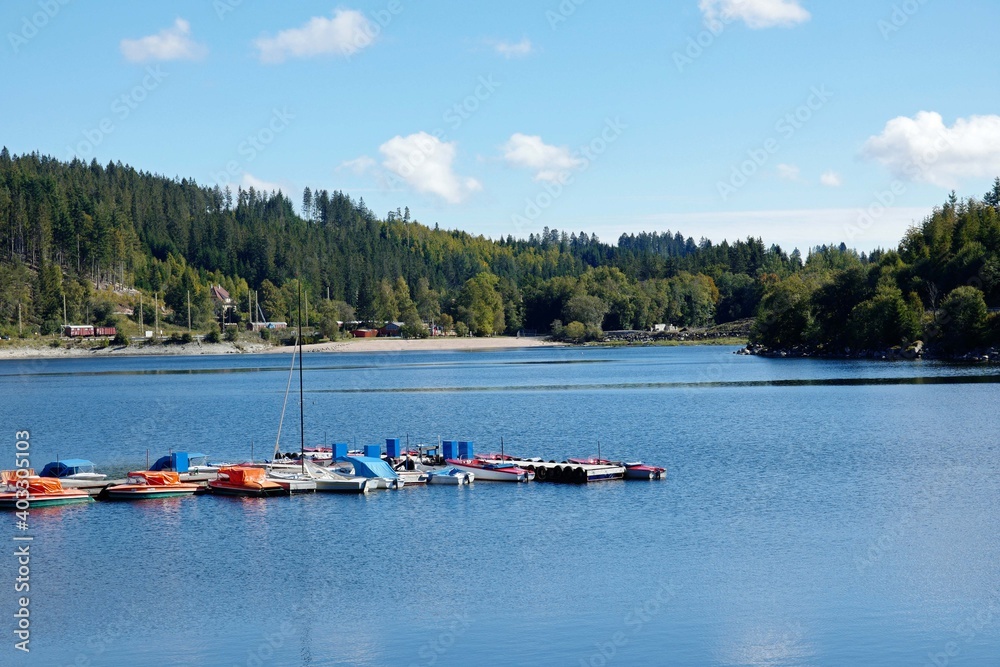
[[815, 512]]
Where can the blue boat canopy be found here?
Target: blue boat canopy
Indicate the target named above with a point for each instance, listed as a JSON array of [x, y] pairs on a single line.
[[67, 467], [179, 461], [367, 466]]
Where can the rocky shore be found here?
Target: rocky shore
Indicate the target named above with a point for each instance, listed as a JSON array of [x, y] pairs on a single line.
[[914, 351]]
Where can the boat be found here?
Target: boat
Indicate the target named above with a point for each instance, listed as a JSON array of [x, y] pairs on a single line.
[[38, 491], [633, 470], [192, 463], [492, 471], [382, 474], [452, 476], [80, 469], [151, 484], [326, 480], [245, 481]]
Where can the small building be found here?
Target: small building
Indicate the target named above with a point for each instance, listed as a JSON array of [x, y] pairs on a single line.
[[391, 330], [365, 333], [220, 295]]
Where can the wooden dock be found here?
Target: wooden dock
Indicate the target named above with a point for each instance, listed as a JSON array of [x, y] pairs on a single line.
[[96, 488]]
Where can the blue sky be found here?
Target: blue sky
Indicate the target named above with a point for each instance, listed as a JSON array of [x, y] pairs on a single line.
[[799, 121]]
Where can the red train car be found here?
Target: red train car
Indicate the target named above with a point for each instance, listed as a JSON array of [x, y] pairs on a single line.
[[78, 330], [86, 331]]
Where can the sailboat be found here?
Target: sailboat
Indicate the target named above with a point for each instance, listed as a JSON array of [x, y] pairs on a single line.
[[306, 472]]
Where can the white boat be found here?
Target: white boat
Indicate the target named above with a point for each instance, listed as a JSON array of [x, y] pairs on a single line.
[[326, 480], [79, 469], [492, 471], [377, 470], [452, 476]]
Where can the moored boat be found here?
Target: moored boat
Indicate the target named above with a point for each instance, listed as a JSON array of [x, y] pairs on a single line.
[[451, 476], [377, 470], [245, 481], [38, 491], [80, 469], [151, 484], [633, 470], [326, 480], [492, 471]]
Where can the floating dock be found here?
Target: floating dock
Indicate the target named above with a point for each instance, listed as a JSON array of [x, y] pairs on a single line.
[[570, 473]]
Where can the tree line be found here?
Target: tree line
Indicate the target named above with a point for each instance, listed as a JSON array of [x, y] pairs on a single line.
[[71, 229]]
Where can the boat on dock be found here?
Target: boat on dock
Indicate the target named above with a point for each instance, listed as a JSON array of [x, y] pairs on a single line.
[[633, 470], [76, 469], [245, 481], [151, 484], [451, 476], [38, 491], [377, 470], [492, 471], [189, 463], [329, 481]]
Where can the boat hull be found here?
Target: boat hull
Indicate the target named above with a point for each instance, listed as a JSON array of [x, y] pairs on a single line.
[[150, 492], [644, 473], [266, 491], [360, 485], [36, 502], [490, 474]]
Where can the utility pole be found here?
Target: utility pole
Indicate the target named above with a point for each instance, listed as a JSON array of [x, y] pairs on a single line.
[[189, 311], [142, 322], [18, 318], [65, 322], [156, 309]]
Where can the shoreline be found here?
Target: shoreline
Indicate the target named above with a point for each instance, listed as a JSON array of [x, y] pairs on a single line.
[[194, 349]]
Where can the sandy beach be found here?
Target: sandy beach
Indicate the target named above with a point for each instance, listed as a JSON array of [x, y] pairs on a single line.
[[18, 350]]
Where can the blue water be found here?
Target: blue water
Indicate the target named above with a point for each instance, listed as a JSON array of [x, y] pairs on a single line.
[[815, 513]]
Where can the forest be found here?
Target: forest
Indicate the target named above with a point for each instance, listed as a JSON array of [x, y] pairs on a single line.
[[73, 232]]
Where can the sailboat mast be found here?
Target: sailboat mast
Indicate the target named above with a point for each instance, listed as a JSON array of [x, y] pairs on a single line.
[[302, 418]]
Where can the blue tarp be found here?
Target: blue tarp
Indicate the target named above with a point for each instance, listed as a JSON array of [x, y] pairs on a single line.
[[178, 461], [366, 466], [67, 467]]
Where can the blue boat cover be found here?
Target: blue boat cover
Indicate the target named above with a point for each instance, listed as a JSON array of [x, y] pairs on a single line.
[[366, 466], [170, 462], [66, 467]]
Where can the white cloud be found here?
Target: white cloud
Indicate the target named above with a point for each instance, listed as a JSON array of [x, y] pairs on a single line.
[[424, 162], [348, 32], [924, 149], [755, 13], [250, 181], [514, 49], [550, 163], [788, 172], [359, 165], [172, 43], [831, 179]]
